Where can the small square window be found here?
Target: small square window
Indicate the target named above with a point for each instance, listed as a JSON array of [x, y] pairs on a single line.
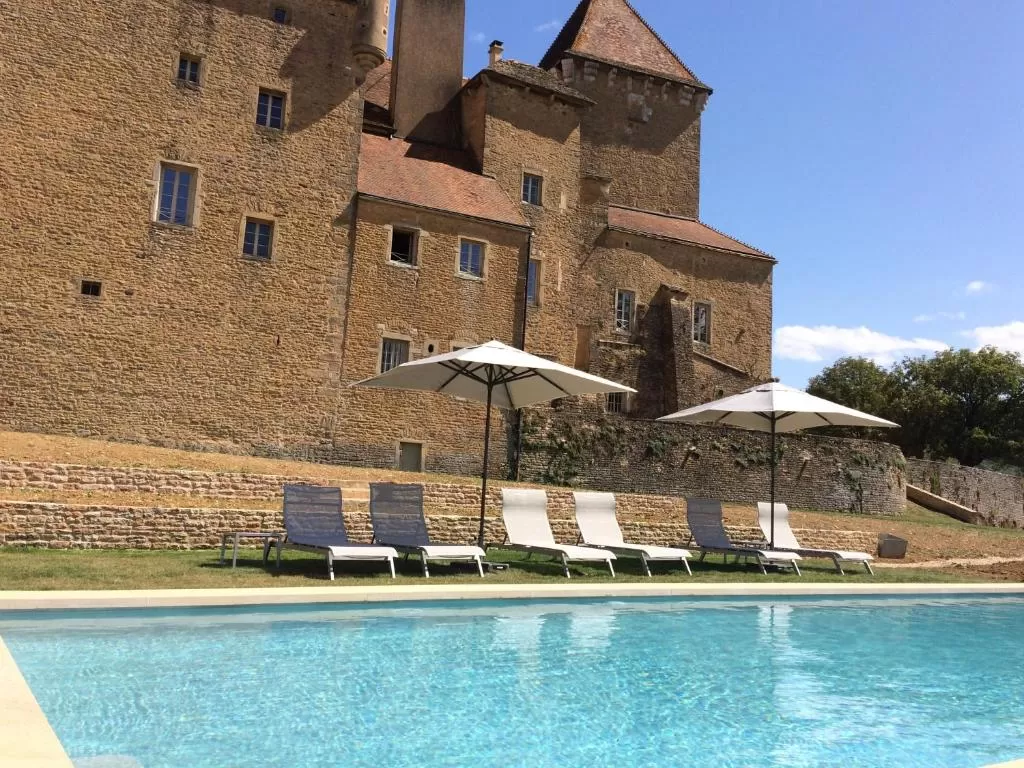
[[533, 283], [259, 239], [177, 194], [616, 402], [403, 246], [702, 323], [533, 189], [471, 258], [92, 288], [270, 109], [280, 15], [410, 457], [625, 303], [393, 353], [188, 70]]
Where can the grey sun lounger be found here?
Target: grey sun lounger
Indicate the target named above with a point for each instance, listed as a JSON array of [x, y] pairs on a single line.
[[396, 513], [595, 517], [313, 523], [785, 539], [527, 529], [707, 530]]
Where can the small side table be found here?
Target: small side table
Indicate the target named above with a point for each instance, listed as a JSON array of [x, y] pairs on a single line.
[[270, 539]]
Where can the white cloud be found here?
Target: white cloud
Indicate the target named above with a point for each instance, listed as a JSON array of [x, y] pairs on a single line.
[[553, 24], [826, 342], [1009, 337], [978, 286], [478, 37], [940, 316]]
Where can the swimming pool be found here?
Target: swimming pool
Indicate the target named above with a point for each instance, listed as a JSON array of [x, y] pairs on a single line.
[[725, 682]]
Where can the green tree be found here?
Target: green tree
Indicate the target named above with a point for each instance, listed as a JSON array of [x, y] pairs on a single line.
[[856, 382]]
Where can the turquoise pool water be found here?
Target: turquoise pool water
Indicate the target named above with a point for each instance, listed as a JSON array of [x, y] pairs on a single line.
[[887, 682]]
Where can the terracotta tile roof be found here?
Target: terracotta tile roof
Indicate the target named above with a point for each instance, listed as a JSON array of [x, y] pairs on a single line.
[[539, 78], [377, 88], [431, 177], [612, 31], [677, 228]]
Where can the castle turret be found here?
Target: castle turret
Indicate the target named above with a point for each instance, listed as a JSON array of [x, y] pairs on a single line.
[[370, 38]]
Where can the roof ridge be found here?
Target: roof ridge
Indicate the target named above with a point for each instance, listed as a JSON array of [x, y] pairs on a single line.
[[661, 40]]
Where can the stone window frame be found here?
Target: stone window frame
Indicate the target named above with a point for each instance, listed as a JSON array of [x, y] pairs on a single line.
[[418, 237], [195, 195], [193, 58], [275, 231], [80, 289], [392, 336], [484, 258], [423, 452], [536, 173], [632, 314], [538, 301], [285, 109], [624, 399], [711, 321]]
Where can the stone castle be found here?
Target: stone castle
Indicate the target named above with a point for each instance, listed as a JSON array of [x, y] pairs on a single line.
[[219, 214]]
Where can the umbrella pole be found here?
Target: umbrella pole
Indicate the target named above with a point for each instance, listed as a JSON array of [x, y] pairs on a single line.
[[487, 446], [771, 542]]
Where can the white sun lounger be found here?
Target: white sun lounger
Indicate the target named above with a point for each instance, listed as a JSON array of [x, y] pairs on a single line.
[[396, 514], [785, 539], [527, 528], [707, 529], [314, 523], [595, 516]]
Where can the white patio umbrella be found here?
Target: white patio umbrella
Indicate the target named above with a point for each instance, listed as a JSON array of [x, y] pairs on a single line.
[[495, 374], [773, 408]]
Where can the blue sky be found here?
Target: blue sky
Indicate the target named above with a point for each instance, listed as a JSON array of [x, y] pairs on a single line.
[[874, 148]]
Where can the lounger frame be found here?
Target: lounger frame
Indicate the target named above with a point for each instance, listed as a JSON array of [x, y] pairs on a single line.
[[616, 542], [396, 513], [784, 529], [704, 517], [534, 502], [314, 522]]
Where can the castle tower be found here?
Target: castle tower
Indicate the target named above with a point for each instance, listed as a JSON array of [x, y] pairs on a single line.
[[370, 36], [647, 118], [427, 70]]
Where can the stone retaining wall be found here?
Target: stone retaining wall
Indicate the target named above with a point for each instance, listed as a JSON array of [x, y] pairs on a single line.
[[451, 512], [998, 498], [635, 456], [211, 485]]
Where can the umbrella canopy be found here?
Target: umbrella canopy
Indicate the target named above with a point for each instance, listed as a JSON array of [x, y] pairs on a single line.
[[495, 374], [773, 408], [511, 377], [788, 409]]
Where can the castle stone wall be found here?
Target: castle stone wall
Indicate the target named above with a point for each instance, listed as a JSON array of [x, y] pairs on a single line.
[[997, 497]]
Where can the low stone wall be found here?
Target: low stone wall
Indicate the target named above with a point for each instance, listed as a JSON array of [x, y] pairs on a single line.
[[451, 513], [635, 456], [76, 477], [997, 498]]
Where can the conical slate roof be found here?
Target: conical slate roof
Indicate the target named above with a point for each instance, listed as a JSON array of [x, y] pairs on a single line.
[[612, 31]]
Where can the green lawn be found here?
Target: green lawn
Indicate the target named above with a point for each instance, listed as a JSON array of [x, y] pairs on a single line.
[[40, 569]]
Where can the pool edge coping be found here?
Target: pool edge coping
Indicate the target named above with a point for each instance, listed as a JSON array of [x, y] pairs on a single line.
[[255, 596], [27, 740]]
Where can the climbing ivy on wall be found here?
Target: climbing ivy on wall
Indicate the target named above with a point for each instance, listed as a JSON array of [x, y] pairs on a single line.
[[571, 445]]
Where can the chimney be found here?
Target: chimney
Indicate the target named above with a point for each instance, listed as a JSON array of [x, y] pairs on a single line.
[[427, 70], [496, 50]]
